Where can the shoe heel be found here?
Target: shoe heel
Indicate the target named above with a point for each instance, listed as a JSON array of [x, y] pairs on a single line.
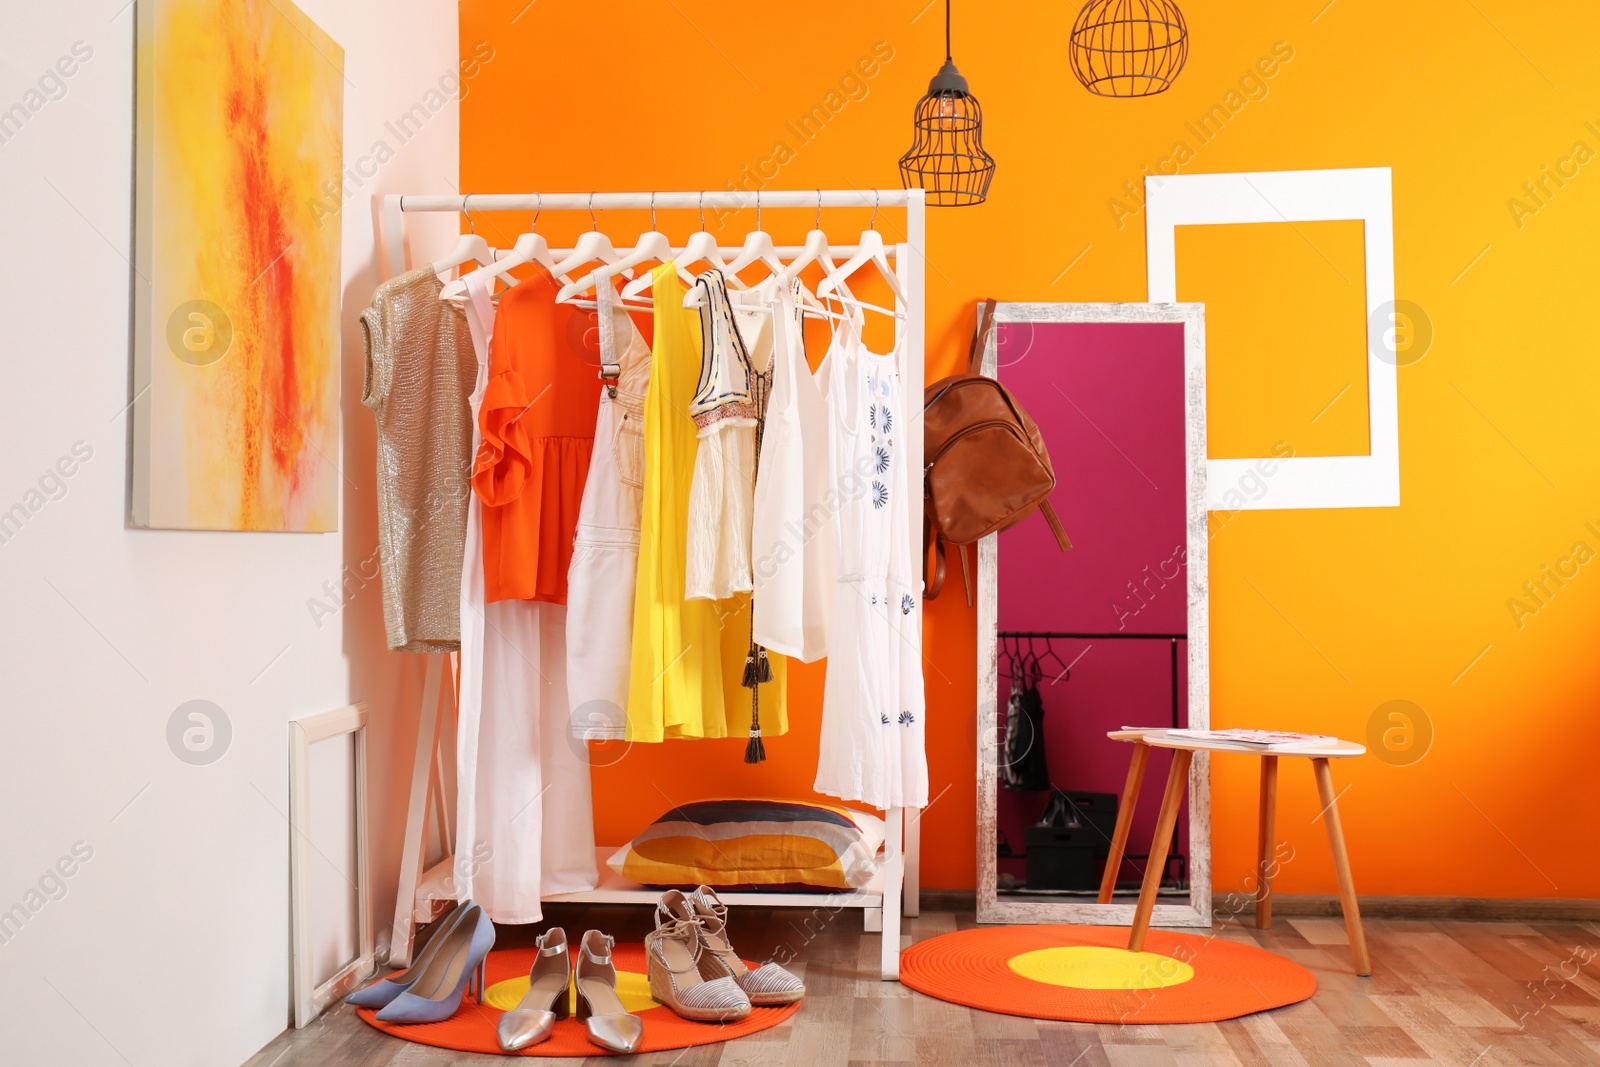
[[563, 1005]]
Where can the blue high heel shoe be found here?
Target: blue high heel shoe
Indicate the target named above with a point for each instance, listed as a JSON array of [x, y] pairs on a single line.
[[381, 992], [456, 968]]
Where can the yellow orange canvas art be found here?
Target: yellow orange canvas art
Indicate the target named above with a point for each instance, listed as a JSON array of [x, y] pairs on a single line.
[[236, 369]]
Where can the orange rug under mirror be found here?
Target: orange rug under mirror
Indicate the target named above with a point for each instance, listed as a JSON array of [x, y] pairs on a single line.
[[1086, 974], [471, 1028]]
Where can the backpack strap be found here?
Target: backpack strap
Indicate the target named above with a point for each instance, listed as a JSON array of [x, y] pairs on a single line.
[[981, 329], [1055, 525], [966, 575], [930, 589]]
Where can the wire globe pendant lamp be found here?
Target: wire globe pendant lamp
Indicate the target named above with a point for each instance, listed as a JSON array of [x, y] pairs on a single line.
[[946, 157], [1128, 47]]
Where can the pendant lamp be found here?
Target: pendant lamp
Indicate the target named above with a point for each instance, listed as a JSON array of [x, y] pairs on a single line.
[[1128, 47], [946, 157]]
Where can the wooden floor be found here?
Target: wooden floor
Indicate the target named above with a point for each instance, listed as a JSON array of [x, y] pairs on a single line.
[[1465, 993]]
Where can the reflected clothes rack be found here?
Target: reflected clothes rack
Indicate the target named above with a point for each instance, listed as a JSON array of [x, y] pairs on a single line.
[[1009, 652], [1017, 645], [424, 889]]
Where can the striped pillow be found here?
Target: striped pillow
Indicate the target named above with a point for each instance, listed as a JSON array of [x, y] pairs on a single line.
[[794, 845]]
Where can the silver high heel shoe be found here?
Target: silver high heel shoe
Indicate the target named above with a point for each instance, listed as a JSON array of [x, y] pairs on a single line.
[[547, 1000], [610, 1025]]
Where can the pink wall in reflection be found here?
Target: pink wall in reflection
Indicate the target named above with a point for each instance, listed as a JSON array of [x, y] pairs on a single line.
[[1109, 400]]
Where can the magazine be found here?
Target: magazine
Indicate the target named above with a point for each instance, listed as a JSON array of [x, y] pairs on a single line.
[[1266, 740]]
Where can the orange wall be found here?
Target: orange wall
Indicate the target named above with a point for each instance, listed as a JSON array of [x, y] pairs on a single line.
[[1318, 617]]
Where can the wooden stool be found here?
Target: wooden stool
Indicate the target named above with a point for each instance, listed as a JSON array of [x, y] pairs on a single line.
[[1177, 784]]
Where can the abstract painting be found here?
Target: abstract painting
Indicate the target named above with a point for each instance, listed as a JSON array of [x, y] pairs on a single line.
[[236, 334]]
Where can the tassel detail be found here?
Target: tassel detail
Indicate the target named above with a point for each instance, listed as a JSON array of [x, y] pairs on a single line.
[[755, 751], [757, 668]]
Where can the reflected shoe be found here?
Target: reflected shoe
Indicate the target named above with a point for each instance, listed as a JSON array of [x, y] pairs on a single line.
[[455, 969], [676, 975], [384, 990], [767, 985], [610, 1024], [547, 1000]]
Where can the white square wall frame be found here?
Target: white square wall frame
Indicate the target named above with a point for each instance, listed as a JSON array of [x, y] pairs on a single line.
[[1370, 481]]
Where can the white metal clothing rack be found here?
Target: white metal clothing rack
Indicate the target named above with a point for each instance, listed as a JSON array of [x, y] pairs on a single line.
[[895, 890]]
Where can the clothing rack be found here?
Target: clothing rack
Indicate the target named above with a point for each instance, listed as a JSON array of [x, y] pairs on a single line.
[[895, 890], [1048, 635]]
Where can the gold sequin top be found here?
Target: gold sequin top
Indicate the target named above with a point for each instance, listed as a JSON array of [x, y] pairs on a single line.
[[420, 371]]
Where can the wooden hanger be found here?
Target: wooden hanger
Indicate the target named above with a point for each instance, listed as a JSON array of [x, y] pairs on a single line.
[[531, 247], [870, 250], [592, 246], [469, 246], [653, 245], [700, 247]]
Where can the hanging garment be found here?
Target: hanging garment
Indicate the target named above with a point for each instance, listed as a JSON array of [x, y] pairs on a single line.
[[419, 369], [871, 747], [537, 423], [515, 762], [688, 655], [725, 409], [1026, 768], [605, 555], [793, 524]]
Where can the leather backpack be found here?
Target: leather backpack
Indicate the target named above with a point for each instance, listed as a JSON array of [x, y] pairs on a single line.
[[985, 465]]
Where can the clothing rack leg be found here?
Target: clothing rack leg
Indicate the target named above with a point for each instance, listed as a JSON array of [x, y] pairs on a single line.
[[893, 881], [912, 906], [415, 843]]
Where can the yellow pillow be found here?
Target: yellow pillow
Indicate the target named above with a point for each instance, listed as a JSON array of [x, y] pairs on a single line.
[[795, 845]]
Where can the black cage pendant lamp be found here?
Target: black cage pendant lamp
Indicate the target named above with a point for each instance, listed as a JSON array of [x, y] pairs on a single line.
[[946, 157]]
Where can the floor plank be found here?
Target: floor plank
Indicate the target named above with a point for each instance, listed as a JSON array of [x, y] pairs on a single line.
[[1465, 993]]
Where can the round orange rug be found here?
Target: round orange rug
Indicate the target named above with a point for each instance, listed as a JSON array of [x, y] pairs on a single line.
[[471, 1028], [1086, 974]]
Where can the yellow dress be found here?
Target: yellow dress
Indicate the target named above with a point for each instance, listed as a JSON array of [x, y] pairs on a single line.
[[688, 655]]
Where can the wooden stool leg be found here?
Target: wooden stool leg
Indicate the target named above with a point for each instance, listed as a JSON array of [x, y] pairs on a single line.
[[1177, 787], [1119, 836], [1267, 841], [1341, 866]]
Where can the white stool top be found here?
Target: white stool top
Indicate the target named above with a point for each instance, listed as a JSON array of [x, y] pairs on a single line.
[[1157, 738]]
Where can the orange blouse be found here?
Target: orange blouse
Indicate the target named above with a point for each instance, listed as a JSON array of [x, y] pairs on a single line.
[[537, 422]]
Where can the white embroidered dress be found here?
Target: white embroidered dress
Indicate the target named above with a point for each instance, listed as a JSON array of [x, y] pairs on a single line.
[[873, 704]]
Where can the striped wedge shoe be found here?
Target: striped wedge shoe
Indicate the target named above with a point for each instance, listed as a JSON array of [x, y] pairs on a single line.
[[678, 975], [767, 985]]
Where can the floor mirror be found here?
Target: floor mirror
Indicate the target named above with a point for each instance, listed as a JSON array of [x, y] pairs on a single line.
[[1111, 633]]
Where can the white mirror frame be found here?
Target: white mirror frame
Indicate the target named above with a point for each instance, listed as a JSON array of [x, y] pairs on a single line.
[[991, 907], [310, 999]]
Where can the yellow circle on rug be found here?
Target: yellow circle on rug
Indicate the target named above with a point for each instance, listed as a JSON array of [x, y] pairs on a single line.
[[472, 1027], [1068, 972], [632, 988], [1097, 967]]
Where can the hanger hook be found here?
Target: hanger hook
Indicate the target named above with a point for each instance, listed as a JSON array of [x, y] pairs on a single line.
[[537, 207], [652, 210], [818, 224], [702, 211], [758, 210], [873, 225], [593, 224], [466, 209]]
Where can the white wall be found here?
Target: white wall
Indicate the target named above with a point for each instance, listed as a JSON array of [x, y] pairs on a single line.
[[169, 943]]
